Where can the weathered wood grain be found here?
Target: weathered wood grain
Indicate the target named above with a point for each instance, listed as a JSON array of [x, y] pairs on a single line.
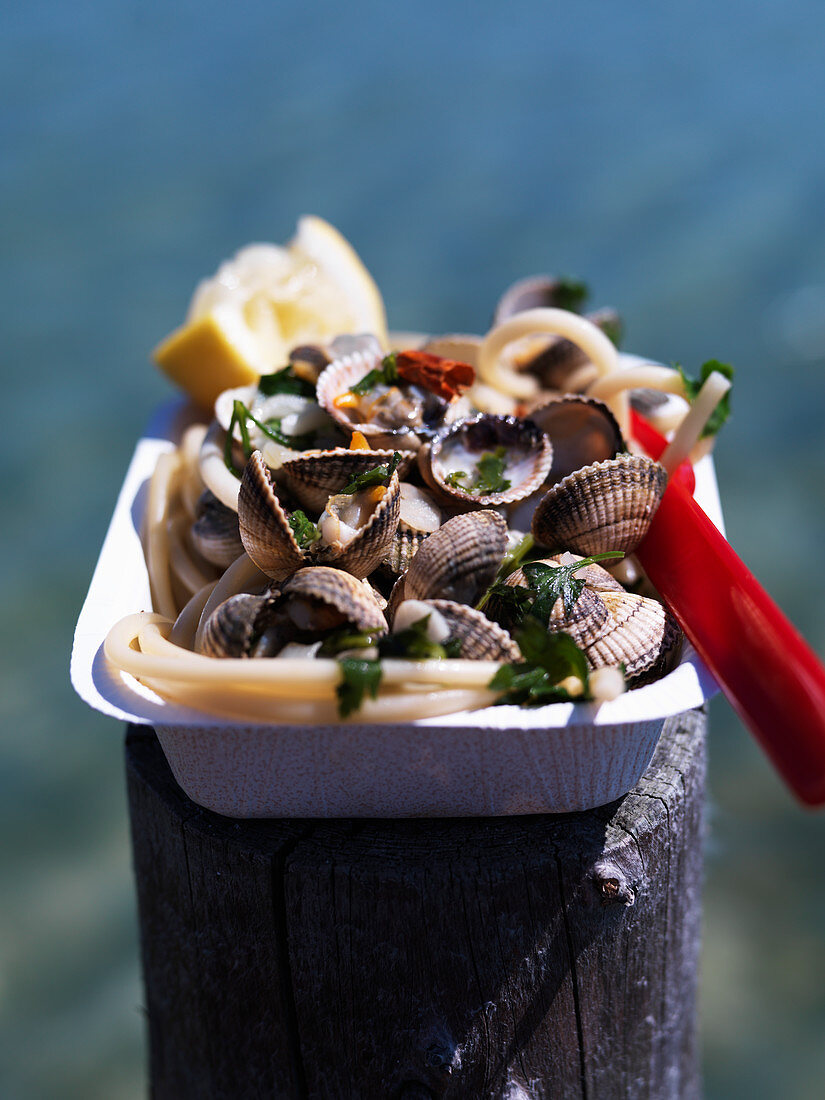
[[539, 957]]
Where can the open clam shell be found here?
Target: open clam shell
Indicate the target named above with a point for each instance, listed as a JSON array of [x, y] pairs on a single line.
[[582, 430], [319, 598], [264, 524], [481, 639], [269, 541], [391, 423], [457, 562], [524, 450], [360, 554], [314, 476], [238, 626], [604, 506]]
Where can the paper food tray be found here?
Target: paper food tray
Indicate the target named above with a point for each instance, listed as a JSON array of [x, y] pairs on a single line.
[[498, 761]]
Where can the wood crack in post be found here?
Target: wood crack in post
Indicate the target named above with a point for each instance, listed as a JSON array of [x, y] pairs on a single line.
[[574, 980], [290, 1010]]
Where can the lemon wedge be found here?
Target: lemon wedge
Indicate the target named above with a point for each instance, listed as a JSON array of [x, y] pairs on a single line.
[[244, 320]]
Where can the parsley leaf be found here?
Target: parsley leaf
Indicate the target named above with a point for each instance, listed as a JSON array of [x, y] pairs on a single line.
[[551, 583], [285, 381], [491, 468], [378, 475], [546, 584], [570, 294], [387, 374], [357, 679], [488, 476], [304, 530], [692, 387], [548, 660]]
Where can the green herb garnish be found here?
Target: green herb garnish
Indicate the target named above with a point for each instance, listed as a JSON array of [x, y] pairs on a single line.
[[546, 585], [357, 679], [548, 660], [488, 477], [414, 644], [387, 374], [378, 475], [271, 428], [304, 530], [285, 381], [692, 386], [570, 294]]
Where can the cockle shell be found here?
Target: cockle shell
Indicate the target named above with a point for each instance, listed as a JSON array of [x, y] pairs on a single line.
[[242, 626], [314, 476], [269, 541], [613, 626], [529, 455], [458, 562], [585, 622], [215, 533], [264, 525], [420, 517], [480, 638], [604, 506], [583, 430], [320, 598], [641, 634], [345, 372]]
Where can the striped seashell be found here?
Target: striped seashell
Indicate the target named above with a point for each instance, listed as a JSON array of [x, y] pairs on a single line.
[[264, 524], [459, 560], [243, 626], [641, 634], [605, 506], [314, 476], [528, 452], [215, 534], [318, 598], [481, 639]]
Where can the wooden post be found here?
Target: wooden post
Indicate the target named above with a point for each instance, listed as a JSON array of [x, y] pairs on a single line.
[[535, 957]]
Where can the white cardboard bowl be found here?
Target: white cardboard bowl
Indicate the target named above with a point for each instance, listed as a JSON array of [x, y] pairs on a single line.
[[499, 761]]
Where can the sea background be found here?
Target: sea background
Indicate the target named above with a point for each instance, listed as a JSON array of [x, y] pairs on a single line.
[[672, 157]]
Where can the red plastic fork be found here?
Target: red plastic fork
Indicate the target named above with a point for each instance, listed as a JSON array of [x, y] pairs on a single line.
[[769, 673]]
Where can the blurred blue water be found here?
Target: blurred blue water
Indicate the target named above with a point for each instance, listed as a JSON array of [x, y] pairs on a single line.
[[672, 158]]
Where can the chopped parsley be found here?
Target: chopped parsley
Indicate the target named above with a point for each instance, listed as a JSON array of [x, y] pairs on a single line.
[[358, 678], [546, 585], [378, 475], [692, 386], [303, 529], [548, 660], [285, 381], [387, 374], [489, 475]]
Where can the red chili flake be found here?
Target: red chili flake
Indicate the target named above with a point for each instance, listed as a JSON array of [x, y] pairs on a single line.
[[445, 377]]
